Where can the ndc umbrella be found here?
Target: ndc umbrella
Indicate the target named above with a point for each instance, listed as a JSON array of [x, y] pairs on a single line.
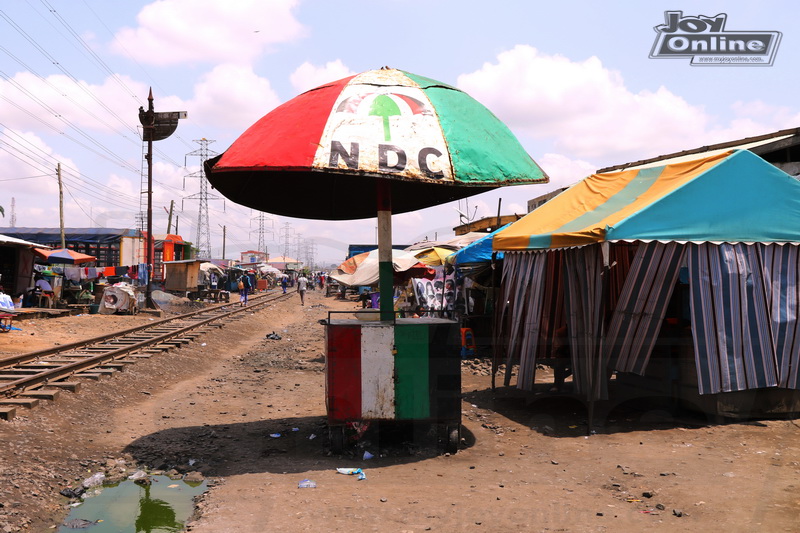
[[63, 256], [380, 142]]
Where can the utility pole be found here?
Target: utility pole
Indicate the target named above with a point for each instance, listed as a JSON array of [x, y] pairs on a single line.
[[169, 220], [224, 234], [61, 205], [13, 212]]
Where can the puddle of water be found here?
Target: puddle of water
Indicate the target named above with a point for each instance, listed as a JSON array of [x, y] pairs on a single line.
[[162, 507]]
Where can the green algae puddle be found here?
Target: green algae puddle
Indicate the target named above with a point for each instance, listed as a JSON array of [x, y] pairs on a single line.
[[162, 507]]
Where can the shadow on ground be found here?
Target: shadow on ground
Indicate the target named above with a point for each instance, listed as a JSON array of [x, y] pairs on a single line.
[[286, 445], [564, 414]]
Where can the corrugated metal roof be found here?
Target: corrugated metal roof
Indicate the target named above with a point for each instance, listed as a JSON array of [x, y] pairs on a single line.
[[6, 239], [748, 143]]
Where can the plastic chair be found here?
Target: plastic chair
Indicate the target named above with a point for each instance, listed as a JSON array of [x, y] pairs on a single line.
[[47, 299]]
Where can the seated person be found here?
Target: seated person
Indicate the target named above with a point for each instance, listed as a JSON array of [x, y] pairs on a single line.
[[43, 285]]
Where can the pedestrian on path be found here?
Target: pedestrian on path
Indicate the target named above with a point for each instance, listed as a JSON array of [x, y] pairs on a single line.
[[244, 289], [302, 285]]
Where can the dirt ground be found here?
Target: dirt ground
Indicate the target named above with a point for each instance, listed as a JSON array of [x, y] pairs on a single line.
[[220, 402]]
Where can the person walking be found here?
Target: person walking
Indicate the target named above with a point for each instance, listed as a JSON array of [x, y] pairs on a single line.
[[302, 285], [284, 283], [244, 288]]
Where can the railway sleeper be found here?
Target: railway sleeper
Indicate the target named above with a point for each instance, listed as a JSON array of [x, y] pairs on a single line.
[[28, 403], [41, 394], [7, 413], [72, 386]]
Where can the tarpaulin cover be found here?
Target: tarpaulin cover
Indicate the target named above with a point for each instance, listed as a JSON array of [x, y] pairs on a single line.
[[362, 269], [432, 142], [479, 251], [731, 197]]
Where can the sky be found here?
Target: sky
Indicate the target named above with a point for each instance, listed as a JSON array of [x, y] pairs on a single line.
[[573, 80]]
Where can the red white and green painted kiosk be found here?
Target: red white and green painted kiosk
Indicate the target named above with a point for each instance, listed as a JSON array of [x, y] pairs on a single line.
[[403, 370], [380, 142]]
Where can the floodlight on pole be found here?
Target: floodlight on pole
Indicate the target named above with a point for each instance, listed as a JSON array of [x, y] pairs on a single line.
[[155, 127]]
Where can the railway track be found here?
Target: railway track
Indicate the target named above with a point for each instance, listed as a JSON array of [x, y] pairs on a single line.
[[28, 378]]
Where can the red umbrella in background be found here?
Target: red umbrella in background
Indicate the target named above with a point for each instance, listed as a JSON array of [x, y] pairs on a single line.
[[63, 256]]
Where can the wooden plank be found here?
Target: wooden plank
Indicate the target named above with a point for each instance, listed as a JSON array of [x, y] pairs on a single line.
[[88, 375], [29, 403], [42, 394], [7, 413], [72, 386]]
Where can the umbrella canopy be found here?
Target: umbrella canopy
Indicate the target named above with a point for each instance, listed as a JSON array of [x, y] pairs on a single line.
[[432, 142], [211, 267], [434, 256], [730, 197], [63, 256], [362, 269]]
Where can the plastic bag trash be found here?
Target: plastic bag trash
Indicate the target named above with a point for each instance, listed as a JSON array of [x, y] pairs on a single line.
[[295, 429], [203, 344], [274, 336], [192, 462], [352, 471], [94, 480], [312, 436], [139, 474], [367, 455], [275, 435], [307, 484]]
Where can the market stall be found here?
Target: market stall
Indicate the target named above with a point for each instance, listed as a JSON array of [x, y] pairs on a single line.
[[689, 267]]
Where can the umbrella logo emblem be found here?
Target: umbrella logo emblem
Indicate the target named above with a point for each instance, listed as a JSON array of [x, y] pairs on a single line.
[[384, 106]]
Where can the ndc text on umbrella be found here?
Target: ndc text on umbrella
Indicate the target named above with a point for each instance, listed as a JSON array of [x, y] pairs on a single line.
[[351, 159]]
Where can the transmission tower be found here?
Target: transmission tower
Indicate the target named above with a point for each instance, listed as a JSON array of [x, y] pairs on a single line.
[[13, 220], [203, 239], [287, 234], [265, 225]]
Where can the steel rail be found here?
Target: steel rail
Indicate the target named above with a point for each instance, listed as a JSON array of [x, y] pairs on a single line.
[[13, 388], [15, 360]]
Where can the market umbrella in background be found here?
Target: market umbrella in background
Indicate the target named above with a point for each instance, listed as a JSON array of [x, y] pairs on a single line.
[[363, 269], [63, 256], [434, 256], [380, 142]]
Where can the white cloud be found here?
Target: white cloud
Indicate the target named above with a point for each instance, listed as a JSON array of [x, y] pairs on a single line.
[[308, 76], [231, 97], [171, 32], [564, 171], [58, 104], [584, 107]]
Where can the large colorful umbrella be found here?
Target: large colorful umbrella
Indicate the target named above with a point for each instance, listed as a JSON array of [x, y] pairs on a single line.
[[380, 142], [63, 256]]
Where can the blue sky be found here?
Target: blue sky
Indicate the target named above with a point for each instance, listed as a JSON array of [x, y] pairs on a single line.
[[572, 80]]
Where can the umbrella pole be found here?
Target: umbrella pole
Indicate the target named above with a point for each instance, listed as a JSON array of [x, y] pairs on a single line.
[[385, 270]]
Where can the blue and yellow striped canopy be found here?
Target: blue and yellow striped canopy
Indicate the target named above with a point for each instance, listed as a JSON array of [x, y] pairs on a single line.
[[734, 196]]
